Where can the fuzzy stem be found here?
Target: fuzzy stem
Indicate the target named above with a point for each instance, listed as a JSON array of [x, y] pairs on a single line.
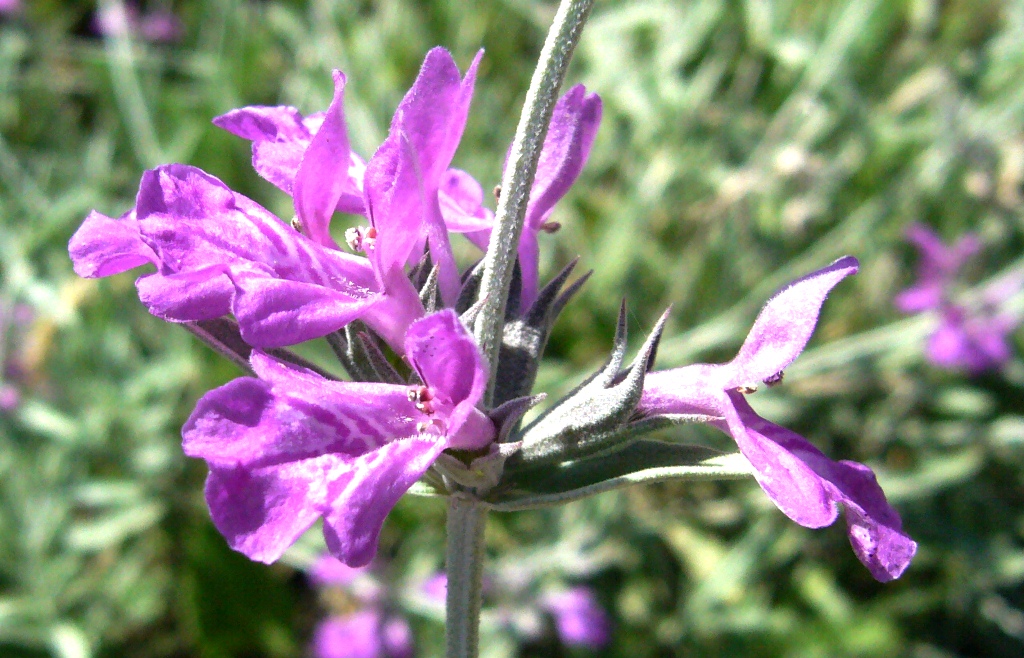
[[519, 173], [467, 518]]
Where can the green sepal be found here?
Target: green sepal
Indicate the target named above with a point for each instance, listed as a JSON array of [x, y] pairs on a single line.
[[641, 462]]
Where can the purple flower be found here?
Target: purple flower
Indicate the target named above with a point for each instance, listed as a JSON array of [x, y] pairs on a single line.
[[217, 251], [972, 342], [8, 7], [364, 634], [124, 19], [936, 269], [291, 447], [579, 618], [973, 331], [571, 134], [406, 189], [802, 482]]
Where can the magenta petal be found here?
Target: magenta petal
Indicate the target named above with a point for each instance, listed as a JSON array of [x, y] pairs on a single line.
[[874, 527], [396, 203], [278, 162], [694, 389], [279, 138], [792, 485], [103, 246], [263, 511], [432, 115], [251, 422], [398, 307], [280, 123], [378, 479], [446, 357], [364, 634], [574, 124], [921, 297], [461, 199], [785, 324], [275, 312], [329, 571], [187, 296], [323, 177]]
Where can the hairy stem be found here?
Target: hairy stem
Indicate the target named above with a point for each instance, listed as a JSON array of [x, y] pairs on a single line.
[[465, 560], [519, 173]]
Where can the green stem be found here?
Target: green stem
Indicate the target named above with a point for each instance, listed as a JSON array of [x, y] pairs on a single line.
[[519, 173], [467, 518]]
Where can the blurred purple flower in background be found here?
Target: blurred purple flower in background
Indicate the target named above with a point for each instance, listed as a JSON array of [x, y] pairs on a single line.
[[372, 630], [579, 618], [974, 328], [9, 7], [14, 321], [120, 19]]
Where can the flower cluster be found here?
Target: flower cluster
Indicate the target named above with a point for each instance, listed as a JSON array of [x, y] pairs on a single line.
[[291, 445], [973, 329]]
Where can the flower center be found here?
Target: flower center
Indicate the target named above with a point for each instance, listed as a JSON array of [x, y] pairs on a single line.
[[361, 238], [423, 398]]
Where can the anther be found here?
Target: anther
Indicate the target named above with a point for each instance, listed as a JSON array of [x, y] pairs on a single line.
[[746, 390], [296, 223], [774, 379], [497, 192], [550, 227], [361, 238]]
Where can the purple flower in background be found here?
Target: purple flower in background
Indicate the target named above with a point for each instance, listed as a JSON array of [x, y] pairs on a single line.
[[8, 7], [936, 270], [802, 482], [363, 634], [125, 19], [14, 318], [973, 330], [370, 632], [291, 447], [579, 618]]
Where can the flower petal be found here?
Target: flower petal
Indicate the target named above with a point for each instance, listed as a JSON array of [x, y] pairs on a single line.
[[263, 511], [103, 246], [323, 177], [461, 198], [279, 137], [785, 324], [874, 527], [791, 484], [255, 423], [201, 294], [376, 482]]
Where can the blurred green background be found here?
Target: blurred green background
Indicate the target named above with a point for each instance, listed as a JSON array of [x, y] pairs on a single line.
[[744, 142]]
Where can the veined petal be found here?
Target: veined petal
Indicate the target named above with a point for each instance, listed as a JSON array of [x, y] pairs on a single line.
[[363, 500], [432, 115], [449, 362], [785, 324], [253, 423], [446, 357], [275, 312], [792, 485], [323, 177], [289, 288], [103, 246], [201, 294], [262, 511], [875, 530]]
